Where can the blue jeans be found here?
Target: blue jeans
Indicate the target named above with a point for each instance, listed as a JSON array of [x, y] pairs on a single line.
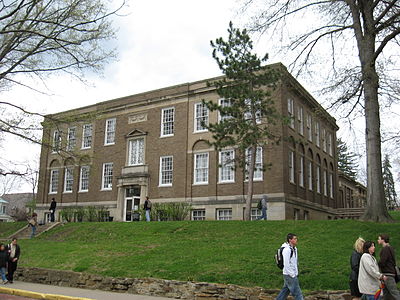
[[33, 231], [370, 297], [148, 215], [263, 214], [3, 273], [290, 286]]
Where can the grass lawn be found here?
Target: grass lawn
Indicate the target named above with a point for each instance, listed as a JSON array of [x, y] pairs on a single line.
[[235, 252], [8, 228]]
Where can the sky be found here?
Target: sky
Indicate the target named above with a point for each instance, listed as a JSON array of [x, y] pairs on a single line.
[[159, 44]]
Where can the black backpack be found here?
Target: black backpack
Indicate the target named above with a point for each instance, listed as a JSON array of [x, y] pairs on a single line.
[[279, 257], [259, 204]]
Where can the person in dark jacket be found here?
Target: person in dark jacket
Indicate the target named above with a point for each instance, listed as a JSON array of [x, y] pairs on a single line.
[[3, 263], [387, 263], [52, 209], [147, 208], [14, 252], [355, 266]]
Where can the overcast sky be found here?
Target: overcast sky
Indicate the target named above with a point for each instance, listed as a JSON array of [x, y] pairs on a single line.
[[159, 43]]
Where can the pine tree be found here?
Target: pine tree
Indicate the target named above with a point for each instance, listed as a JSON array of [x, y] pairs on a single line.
[[246, 110], [346, 160], [388, 184]]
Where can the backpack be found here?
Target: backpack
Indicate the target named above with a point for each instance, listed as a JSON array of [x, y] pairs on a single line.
[[279, 257], [259, 204]]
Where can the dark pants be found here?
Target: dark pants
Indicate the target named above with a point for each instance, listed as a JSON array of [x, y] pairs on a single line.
[[52, 216], [12, 266]]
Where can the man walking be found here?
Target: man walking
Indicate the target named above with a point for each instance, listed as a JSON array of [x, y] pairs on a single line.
[[387, 263], [290, 270], [13, 256], [147, 208], [263, 208]]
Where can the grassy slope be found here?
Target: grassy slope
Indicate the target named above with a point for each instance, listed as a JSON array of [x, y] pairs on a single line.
[[234, 252], [8, 228]]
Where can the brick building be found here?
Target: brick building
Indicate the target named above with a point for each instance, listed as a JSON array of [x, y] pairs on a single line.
[[153, 144]]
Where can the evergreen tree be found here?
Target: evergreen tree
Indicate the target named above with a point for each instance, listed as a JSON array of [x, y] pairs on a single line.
[[388, 184], [246, 110], [346, 160]]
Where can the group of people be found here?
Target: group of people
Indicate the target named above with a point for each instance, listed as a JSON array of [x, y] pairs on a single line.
[[369, 275], [9, 256]]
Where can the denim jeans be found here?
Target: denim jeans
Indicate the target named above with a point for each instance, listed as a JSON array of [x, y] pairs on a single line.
[[148, 215], [263, 214], [33, 231], [290, 286], [3, 273], [370, 297]]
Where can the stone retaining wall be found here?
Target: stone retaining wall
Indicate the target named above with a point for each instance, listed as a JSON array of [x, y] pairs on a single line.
[[159, 287]]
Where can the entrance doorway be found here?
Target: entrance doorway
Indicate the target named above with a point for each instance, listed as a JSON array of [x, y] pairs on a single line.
[[132, 202]]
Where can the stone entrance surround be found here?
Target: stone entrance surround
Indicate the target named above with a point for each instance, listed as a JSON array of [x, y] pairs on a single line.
[[160, 287]]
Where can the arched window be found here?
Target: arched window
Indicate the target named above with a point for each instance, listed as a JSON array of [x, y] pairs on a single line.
[[310, 170], [301, 166], [318, 175]]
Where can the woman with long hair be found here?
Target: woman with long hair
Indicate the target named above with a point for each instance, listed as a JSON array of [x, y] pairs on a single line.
[[369, 277], [355, 267]]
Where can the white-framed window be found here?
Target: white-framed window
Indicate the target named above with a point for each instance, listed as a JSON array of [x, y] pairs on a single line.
[[68, 179], [54, 174], [291, 112], [87, 136], [166, 170], [331, 185], [300, 119], [258, 168], [317, 134], [224, 214], [167, 121], [106, 182], [310, 175], [291, 166], [56, 141], [201, 168], [136, 152], [71, 139], [325, 182], [255, 214], [84, 179], [200, 117], [324, 140], [224, 103], [247, 114], [309, 127], [226, 166], [109, 138], [3, 209], [330, 147], [301, 171], [198, 214], [318, 179]]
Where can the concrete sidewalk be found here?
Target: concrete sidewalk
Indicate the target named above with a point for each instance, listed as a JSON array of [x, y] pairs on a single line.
[[76, 292]]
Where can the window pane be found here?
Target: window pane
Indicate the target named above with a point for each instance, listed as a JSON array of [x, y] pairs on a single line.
[[110, 131], [167, 122], [107, 175], [201, 116], [166, 170], [136, 152], [201, 168]]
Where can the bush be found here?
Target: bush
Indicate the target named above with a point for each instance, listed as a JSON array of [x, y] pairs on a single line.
[[80, 214], [67, 214], [172, 211], [91, 214]]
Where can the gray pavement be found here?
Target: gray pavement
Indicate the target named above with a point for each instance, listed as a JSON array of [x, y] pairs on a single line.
[[76, 292]]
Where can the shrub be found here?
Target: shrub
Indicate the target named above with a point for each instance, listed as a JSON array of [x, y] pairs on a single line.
[[91, 214], [172, 211], [67, 214]]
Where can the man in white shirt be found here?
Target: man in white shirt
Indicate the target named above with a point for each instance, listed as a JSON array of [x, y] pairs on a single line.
[[290, 271]]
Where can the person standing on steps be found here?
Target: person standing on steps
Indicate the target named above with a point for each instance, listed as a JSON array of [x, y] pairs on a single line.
[[147, 208], [33, 223], [52, 209], [14, 252]]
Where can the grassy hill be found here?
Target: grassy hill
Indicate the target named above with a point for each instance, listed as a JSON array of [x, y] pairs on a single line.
[[234, 252], [8, 228]]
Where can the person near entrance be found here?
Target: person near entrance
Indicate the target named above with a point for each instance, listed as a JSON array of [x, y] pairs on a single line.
[[52, 209], [13, 256], [147, 208]]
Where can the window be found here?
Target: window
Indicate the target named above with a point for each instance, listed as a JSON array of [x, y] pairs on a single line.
[[107, 176], [200, 117], [300, 120], [309, 127], [310, 176], [296, 213], [87, 136], [224, 103], [226, 166], [248, 114], [167, 121], [330, 148], [306, 215], [71, 138], [224, 214], [84, 179], [331, 185], [68, 179], [291, 166], [3, 210], [258, 168], [325, 182], [166, 171], [136, 152], [255, 213], [198, 215], [324, 140], [109, 138], [56, 141], [291, 112], [318, 179], [53, 181], [317, 134], [301, 171], [201, 168]]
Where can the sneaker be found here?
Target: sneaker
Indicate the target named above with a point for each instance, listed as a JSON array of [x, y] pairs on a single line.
[[5, 282]]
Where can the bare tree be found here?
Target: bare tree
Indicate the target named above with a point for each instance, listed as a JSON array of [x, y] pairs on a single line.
[[368, 28]]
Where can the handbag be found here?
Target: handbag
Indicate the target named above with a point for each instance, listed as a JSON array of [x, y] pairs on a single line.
[[397, 275]]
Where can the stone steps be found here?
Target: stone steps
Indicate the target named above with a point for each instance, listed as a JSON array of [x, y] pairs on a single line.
[[25, 232]]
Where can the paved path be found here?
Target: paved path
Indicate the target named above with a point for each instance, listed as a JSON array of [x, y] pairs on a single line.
[[76, 292]]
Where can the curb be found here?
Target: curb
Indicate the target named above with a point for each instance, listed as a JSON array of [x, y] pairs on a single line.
[[35, 295]]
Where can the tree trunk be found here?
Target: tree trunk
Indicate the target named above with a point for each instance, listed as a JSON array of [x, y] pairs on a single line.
[[249, 198]]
